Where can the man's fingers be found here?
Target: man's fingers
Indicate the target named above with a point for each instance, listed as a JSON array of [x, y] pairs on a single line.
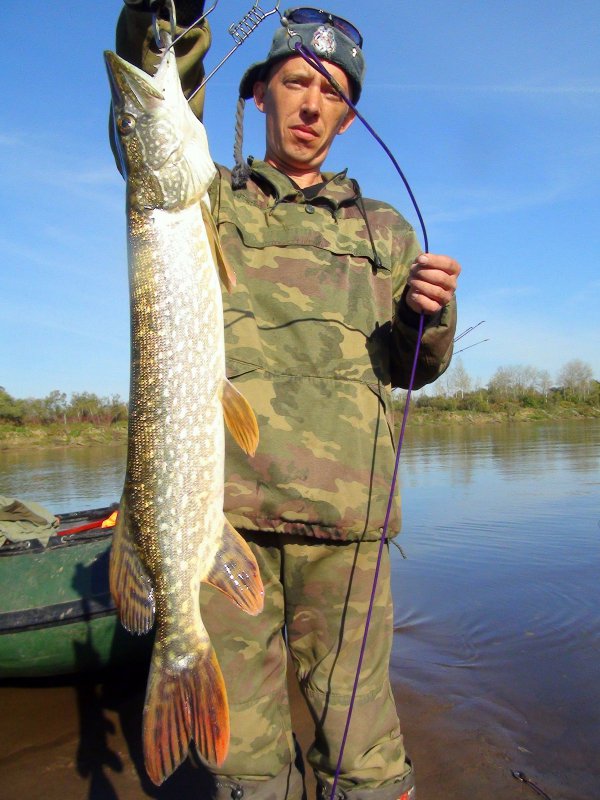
[[433, 277], [441, 262], [432, 282], [420, 303], [441, 293]]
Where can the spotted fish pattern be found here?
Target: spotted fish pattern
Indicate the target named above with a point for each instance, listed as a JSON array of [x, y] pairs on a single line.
[[172, 533]]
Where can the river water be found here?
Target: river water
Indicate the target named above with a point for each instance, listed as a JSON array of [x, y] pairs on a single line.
[[497, 624]]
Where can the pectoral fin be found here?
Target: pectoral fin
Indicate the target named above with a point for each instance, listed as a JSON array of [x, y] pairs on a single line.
[[239, 418], [235, 572], [226, 273], [130, 584]]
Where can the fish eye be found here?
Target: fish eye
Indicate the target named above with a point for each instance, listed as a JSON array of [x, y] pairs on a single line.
[[125, 124]]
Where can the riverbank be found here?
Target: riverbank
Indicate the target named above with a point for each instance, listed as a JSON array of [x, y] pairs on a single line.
[[81, 738], [514, 414], [86, 434]]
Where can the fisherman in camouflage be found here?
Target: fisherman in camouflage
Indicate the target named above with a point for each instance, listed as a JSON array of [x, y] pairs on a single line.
[[321, 326]]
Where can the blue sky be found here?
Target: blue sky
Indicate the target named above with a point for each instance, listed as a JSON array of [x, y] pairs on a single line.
[[492, 109]]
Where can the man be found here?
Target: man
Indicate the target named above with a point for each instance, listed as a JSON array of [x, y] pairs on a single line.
[[322, 323]]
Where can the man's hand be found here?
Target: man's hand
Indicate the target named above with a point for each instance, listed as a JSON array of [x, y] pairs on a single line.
[[187, 11], [431, 283], [145, 5]]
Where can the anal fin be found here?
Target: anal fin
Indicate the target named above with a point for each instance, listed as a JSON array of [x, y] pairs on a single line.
[[235, 572], [130, 585]]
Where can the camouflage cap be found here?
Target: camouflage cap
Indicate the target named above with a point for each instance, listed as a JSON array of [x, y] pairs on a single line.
[[322, 39]]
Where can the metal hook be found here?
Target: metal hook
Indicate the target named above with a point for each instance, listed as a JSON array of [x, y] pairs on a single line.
[[164, 39], [200, 19], [240, 32]]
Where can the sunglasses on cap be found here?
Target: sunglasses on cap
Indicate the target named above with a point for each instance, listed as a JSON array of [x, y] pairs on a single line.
[[314, 15]]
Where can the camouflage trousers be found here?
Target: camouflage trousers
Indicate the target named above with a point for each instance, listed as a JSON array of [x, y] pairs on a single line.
[[316, 601]]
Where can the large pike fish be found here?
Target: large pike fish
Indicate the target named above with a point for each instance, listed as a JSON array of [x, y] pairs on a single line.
[[172, 533]]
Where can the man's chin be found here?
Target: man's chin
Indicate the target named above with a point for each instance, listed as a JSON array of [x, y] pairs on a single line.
[[295, 162]]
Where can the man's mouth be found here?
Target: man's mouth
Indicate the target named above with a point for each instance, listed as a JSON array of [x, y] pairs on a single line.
[[304, 132]]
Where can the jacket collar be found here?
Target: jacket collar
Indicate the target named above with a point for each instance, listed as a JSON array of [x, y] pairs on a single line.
[[338, 189]]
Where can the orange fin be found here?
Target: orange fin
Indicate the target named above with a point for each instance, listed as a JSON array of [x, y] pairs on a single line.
[[235, 572], [226, 273], [130, 584], [239, 418], [181, 705]]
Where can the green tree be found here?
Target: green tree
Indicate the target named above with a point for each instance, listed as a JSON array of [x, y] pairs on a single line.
[[11, 410], [55, 405], [85, 407]]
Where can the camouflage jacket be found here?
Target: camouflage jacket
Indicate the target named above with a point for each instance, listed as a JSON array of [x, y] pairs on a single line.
[[316, 336]]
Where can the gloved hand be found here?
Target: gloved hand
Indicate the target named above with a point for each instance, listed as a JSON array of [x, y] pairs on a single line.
[[187, 10]]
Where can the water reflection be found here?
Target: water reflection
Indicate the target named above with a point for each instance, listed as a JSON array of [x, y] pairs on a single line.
[[497, 606], [64, 478]]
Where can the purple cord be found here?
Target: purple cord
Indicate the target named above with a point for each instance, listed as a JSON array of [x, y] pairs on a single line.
[[318, 65], [379, 557]]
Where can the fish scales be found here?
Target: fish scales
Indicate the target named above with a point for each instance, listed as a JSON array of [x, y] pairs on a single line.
[[171, 534], [175, 469]]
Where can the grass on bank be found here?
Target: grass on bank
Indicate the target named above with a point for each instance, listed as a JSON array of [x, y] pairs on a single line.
[[54, 434], [482, 406], [467, 410]]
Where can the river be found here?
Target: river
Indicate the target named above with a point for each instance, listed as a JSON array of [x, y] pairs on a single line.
[[496, 662]]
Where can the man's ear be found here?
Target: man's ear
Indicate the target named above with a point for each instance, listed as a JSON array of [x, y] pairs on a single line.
[[348, 120], [258, 92]]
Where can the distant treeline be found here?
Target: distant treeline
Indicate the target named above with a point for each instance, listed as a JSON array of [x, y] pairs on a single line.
[[509, 388], [55, 408]]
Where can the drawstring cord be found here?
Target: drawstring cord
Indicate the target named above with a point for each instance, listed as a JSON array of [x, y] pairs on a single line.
[[360, 202]]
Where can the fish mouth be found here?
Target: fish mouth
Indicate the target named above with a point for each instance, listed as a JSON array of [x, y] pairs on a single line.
[[130, 83]]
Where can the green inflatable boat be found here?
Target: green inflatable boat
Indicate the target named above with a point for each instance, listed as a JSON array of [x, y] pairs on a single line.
[[56, 613]]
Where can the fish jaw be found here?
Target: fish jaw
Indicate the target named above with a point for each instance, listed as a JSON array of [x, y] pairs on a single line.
[[162, 146]]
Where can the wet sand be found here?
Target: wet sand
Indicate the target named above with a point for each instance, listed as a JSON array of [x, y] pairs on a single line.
[[81, 740]]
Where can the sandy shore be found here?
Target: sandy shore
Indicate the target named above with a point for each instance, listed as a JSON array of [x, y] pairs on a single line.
[[81, 741]]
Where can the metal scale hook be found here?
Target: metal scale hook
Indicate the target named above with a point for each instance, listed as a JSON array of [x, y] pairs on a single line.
[[239, 31]]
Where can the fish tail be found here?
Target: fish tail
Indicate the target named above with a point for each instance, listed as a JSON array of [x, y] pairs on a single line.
[[182, 705]]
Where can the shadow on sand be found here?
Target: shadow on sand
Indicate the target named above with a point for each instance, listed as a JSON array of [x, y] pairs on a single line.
[[110, 703]]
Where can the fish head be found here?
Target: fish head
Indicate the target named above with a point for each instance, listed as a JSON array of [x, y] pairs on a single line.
[[162, 146]]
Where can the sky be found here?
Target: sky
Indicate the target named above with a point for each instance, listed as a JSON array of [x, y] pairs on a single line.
[[491, 108]]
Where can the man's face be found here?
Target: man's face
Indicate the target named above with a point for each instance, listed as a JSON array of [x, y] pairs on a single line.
[[304, 114]]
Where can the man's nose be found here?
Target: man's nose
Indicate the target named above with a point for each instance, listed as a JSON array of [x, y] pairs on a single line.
[[311, 101]]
